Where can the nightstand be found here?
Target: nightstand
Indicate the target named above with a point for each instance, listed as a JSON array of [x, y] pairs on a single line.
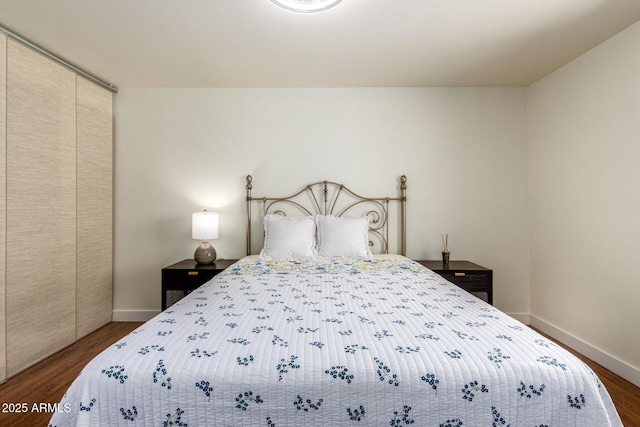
[[471, 277], [183, 277]]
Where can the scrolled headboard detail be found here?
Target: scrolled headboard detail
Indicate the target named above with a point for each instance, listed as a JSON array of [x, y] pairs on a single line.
[[331, 198]]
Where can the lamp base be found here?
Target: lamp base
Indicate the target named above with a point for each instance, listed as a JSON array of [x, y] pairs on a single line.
[[205, 254]]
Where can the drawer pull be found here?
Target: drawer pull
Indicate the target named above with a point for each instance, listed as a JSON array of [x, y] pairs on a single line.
[[459, 274], [192, 273]]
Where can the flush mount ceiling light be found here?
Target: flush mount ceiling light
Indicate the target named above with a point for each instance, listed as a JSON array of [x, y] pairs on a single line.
[[306, 6]]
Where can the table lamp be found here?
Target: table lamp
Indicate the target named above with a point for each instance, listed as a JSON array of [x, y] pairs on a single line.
[[204, 226]]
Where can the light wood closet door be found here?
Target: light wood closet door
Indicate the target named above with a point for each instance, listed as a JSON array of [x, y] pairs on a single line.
[[41, 207], [94, 167], [3, 145]]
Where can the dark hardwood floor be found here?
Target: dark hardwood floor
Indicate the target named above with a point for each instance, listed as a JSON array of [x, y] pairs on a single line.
[[47, 381], [625, 395]]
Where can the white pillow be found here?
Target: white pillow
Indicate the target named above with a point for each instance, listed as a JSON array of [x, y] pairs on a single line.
[[343, 237], [288, 237]]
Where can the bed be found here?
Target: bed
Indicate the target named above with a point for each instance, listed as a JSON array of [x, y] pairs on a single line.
[[330, 335]]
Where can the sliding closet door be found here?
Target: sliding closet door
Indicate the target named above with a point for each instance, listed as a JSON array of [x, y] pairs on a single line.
[[41, 207], [94, 185], [3, 145]]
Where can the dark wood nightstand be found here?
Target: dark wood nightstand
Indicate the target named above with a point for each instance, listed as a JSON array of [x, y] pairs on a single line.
[[183, 277], [471, 277]]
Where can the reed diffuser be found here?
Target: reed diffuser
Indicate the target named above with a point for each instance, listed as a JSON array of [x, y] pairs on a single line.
[[445, 250]]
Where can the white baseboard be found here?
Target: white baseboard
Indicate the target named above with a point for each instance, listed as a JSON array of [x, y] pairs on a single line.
[[134, 315], [521, 317], [623, 369]]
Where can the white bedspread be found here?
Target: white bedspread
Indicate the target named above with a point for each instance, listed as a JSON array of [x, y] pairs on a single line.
[[343, 343]]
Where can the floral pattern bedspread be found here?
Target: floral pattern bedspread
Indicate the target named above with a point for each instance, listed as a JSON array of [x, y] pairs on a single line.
[[335, 343]]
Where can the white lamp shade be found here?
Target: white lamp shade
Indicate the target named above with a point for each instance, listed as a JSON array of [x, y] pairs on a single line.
[[306, 6], [204, 225]]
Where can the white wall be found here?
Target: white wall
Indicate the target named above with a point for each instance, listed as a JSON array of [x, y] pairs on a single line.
[[584, 183], [181, 150]]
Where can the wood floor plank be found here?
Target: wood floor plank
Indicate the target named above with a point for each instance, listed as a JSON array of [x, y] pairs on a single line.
[[47, 381]]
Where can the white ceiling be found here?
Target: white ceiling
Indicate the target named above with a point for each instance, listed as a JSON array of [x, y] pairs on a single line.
[[252, 43]]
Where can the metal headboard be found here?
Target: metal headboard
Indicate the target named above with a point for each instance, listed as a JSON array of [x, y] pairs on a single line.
[[330, 198]]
